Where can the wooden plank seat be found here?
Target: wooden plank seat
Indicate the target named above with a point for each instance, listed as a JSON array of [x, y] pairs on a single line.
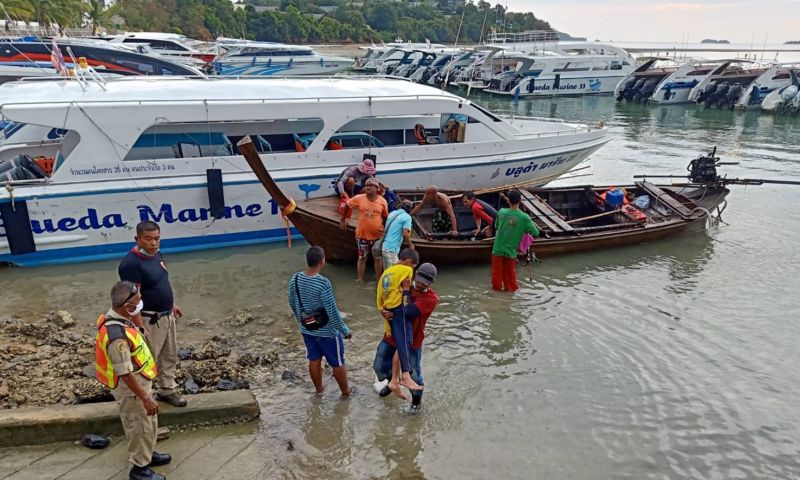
[[662, 196], [544, 212]]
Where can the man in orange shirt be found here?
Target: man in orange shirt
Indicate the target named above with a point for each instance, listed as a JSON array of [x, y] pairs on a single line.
[[372, 209]]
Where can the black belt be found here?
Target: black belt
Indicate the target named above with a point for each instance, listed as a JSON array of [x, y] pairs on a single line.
[[156, 316]]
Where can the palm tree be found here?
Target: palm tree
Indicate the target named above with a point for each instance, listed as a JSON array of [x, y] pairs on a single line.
[[62, 12], [99, 15], [16, 9]]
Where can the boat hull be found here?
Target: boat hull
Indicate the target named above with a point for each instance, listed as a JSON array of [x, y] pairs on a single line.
[[545, 87], [95, 220], [320, 228]]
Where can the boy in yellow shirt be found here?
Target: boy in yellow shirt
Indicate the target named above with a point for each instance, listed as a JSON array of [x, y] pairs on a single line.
[[394, 292]]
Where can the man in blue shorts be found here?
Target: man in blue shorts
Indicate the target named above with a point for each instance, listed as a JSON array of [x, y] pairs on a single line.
[[310, 292]]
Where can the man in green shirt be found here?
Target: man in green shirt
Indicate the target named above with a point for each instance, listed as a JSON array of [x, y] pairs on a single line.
[[512, 224]]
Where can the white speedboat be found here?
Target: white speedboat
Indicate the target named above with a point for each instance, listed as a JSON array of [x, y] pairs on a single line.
[[172, 46], [392, 57], [109, 156], [785, 100], [777, 76], [267, 58], [370, 53], [712, 82], [429, 62], [640, 84], [577, 68]]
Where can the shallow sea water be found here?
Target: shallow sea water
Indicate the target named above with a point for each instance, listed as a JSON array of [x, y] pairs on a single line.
[[669, 360]]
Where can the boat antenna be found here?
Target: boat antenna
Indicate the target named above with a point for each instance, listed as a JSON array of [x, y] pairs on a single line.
[[483, 26], [446, 78], [765, 46]]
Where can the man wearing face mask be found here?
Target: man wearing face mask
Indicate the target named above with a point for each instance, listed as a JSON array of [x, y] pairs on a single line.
[[124, 364], [423, 302], [145, 267]]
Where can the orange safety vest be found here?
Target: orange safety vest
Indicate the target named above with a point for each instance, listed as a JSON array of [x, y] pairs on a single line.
[[142, 359]]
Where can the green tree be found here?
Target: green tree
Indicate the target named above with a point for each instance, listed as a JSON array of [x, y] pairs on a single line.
[[18, 9], [100, 15]]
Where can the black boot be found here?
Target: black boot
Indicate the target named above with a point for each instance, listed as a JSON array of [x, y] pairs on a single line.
[[159, 459], [144, 473]]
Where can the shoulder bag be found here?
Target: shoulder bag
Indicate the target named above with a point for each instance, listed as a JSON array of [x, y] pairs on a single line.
[[378, 245], [313, 321]]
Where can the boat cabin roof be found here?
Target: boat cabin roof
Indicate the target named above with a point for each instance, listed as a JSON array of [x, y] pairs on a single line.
[[176, 89]]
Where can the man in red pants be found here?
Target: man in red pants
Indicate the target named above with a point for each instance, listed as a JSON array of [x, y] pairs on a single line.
[[512, 224]]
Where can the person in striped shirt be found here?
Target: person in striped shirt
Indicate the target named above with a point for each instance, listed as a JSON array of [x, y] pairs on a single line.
[[316, 293]]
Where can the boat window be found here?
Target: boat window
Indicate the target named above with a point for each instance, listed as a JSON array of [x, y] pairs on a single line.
[[260, 52], [158, 44], [156, 143], [202, 139], [453, 128], [486, 112], [574, 67]]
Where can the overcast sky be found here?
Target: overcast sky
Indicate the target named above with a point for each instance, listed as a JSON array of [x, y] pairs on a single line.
[[669, 21]]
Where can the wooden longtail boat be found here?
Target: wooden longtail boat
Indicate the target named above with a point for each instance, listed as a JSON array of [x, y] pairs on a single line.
[[571, 219]]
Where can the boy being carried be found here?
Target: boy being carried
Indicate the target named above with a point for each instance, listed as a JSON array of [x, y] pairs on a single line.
[[394, 292]]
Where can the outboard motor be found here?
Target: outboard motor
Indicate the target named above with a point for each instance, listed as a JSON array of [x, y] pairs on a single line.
[[708, 92], [787, 95], [734, 93], [647, 89], [636, 87], [626, 88], [717, 95]]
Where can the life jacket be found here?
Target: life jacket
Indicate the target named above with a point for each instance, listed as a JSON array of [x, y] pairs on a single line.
[[419, 134], [142, 359]]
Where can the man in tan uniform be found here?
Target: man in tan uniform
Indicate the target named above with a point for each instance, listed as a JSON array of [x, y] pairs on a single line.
[[123, 363]]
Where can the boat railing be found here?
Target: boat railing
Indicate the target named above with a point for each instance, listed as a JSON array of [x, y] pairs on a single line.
[[529, 36]]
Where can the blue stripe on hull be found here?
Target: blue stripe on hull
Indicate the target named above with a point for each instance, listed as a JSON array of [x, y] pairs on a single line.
[[328, 178], [59, 256]]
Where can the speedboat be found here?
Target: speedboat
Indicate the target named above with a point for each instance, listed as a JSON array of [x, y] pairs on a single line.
[[370, 53], [429, 62], [566, 69], [172, 46], [33, 59], [785, 100], [267, 58], [392, 57], [640, 84], [92, 160], [777, 76], [714, 83]]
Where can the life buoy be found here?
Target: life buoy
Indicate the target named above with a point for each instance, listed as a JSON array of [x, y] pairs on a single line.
[[419, 134]]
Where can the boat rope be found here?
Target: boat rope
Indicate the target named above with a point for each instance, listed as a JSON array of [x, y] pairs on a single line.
[[285, 212]]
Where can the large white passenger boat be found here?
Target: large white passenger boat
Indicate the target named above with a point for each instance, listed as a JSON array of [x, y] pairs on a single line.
[[576, 68], [90, 161]]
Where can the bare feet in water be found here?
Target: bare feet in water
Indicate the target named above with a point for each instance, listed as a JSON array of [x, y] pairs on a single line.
[[410, 384], [395, 388]]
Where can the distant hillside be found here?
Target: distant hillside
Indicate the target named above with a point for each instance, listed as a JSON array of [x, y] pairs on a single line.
[[792, 42], [323, 21], [711, 40]]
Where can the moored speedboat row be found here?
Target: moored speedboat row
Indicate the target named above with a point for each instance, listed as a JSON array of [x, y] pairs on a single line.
[[725, 84]]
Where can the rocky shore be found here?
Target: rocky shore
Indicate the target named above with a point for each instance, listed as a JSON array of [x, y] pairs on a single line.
[[49, 360]]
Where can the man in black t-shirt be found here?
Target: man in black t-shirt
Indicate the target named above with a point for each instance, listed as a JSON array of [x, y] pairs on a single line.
[[144, 266]]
